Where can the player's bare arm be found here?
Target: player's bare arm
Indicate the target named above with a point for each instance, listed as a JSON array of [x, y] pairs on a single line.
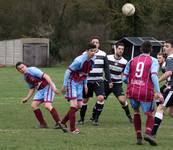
[[30, 93], [165, 76], [63, 89], [48, 79]]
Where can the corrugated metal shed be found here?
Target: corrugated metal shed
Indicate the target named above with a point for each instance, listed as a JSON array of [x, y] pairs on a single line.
[[137, 41], [132, 45]]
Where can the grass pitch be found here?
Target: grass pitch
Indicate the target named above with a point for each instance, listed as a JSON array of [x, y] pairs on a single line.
[[19, 128]]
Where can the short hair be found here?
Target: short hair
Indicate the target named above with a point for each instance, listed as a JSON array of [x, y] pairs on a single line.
[[170, 42], [90, 46], [120, 44], [94, 37], [162, 54], [146, 47], [19, 63]]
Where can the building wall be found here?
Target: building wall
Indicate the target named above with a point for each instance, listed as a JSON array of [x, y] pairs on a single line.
[[2, 52], [11, 51]]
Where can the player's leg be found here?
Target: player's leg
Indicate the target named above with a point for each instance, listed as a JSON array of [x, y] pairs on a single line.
[[148, 109], [168, 96], [83, 110], [71, 115], [55, 115], [157, 119], [38, 99], [98, 107], [48, 99], [80, 104], [137, 120], [107, 90], [85, 101], [38, 113], [124, 104], [71, 95], [119, 93]]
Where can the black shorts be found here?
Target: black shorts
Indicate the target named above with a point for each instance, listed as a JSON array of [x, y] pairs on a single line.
[[117, 89], [94, 86], [168, 98]]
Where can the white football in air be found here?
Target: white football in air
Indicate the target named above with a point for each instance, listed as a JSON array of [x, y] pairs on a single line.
[[128, 9]]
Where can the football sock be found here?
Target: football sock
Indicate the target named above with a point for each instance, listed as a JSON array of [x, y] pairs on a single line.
[[157, 121], [137, 125], [83, 112], [72, 118], [99, 107], [149, 123], [126, 109], [39, 116], [94, 112], [55, 115], [66, 118]]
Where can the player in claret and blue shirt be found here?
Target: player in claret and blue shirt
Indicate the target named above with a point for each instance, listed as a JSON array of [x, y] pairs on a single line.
[[141, 77], [45, 89], [75, 79]]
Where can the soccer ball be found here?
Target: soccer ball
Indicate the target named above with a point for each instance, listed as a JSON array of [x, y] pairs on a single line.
[[128, 9]]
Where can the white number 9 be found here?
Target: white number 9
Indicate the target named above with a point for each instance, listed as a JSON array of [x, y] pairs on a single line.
[[139, 69]]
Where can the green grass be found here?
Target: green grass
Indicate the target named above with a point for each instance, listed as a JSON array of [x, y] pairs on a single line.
[[19, 129]]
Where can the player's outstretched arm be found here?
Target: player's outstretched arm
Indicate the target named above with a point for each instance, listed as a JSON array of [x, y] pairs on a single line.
[[30, 93]]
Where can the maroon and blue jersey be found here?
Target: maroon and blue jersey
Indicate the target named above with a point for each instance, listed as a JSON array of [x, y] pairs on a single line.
[[139, 72], [34, 78], [79, 69]]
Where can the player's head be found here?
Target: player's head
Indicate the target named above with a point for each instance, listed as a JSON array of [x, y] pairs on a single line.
[[91, 49], [161, 58], [168, 47], [119, 49], [146, 47], [21, 67], [95, 40]]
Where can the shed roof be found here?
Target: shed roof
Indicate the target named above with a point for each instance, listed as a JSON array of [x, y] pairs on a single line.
[[137, 41]]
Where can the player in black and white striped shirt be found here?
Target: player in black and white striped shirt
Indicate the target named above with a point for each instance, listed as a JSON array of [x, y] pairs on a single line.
[[96, 83], [116, 65], [167, 92]]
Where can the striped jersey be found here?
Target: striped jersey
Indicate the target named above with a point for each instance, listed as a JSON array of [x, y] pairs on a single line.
[[168, 67], [100, 68], [139, 70], [79, 69], [34, 78], [116, 67]]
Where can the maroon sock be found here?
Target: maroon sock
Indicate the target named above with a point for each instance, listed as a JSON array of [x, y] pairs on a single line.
[[137, 125], [39, 116], [72, 118], [66, 118], [55, 115], [149, 122]]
